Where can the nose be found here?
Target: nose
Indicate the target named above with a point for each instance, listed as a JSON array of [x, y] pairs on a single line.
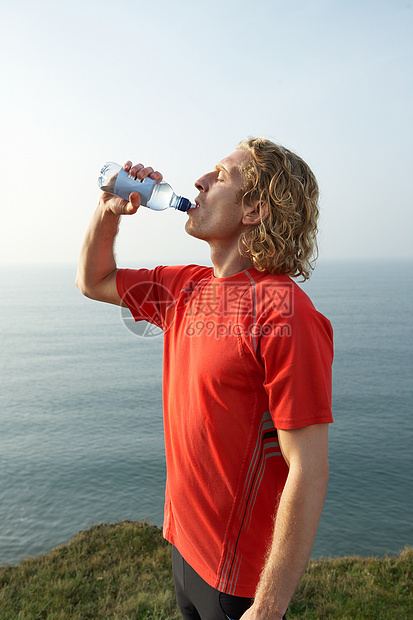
[[202, 183]]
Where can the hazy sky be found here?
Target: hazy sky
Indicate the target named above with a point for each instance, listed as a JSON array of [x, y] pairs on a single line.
[[176, 85]]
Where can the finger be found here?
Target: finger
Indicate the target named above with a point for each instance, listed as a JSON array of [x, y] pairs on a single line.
[[144, 172], [130, 209], [134, 202], [139, 171], [133, 170], [157, 176]]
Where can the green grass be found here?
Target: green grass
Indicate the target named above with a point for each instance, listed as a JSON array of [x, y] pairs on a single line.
[[110, 571], [354, 587], [123, 571]]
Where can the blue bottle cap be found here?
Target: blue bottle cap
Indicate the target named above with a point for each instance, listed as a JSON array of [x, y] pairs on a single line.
[[184, 204]]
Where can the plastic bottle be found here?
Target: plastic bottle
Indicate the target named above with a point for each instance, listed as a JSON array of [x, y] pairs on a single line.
[[156, 195]]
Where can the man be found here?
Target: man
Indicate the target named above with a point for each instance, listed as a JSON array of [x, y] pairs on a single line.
[[247, 379]]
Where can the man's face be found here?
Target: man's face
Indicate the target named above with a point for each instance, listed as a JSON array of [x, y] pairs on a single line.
[[219, 215]]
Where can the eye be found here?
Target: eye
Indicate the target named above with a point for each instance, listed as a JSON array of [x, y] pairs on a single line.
[[220, 174]]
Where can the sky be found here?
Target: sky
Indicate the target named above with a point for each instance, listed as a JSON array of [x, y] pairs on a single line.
[[176, 85]]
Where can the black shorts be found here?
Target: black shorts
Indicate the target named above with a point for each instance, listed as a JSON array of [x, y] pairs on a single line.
[[199, 601]]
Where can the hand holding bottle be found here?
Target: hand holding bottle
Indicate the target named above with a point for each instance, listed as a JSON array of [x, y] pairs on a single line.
[[153, 191], [120, 206]]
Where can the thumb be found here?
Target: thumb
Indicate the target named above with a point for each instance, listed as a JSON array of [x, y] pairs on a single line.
[[134, 203]]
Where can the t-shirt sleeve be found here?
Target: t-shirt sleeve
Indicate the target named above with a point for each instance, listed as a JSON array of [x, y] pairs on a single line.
[[150, 294], [297, 358], [142, 291]]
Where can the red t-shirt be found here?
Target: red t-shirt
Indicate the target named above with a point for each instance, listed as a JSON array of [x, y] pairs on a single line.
[[243, 356]]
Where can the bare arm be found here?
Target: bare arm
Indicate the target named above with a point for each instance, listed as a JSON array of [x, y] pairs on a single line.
[[96, 275], [306, 453]]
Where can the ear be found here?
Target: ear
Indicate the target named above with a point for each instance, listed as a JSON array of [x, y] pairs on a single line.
[[255, 212]]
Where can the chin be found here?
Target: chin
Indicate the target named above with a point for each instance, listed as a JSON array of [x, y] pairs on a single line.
[[189, 228]]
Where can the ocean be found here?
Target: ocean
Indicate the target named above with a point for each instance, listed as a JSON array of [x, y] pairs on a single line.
[[81, 439]]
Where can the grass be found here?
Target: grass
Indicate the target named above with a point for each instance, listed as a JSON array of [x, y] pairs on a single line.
[[123, 571], [354, 587]]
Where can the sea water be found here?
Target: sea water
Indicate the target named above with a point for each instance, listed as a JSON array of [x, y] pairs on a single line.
[[81, 438]]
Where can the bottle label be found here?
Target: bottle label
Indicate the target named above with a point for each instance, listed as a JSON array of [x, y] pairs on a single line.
[[125, 184]]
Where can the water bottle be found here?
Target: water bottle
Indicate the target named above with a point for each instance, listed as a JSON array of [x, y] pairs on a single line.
[[156, 195]]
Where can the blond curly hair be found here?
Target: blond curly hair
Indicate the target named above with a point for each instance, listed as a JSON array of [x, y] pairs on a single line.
[[285, 240]]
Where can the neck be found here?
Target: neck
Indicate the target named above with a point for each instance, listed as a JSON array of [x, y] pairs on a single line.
[[228, 263]]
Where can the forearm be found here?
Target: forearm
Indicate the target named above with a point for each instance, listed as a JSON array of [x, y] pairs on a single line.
[[294, 532], [96, 276], [97, 260]]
